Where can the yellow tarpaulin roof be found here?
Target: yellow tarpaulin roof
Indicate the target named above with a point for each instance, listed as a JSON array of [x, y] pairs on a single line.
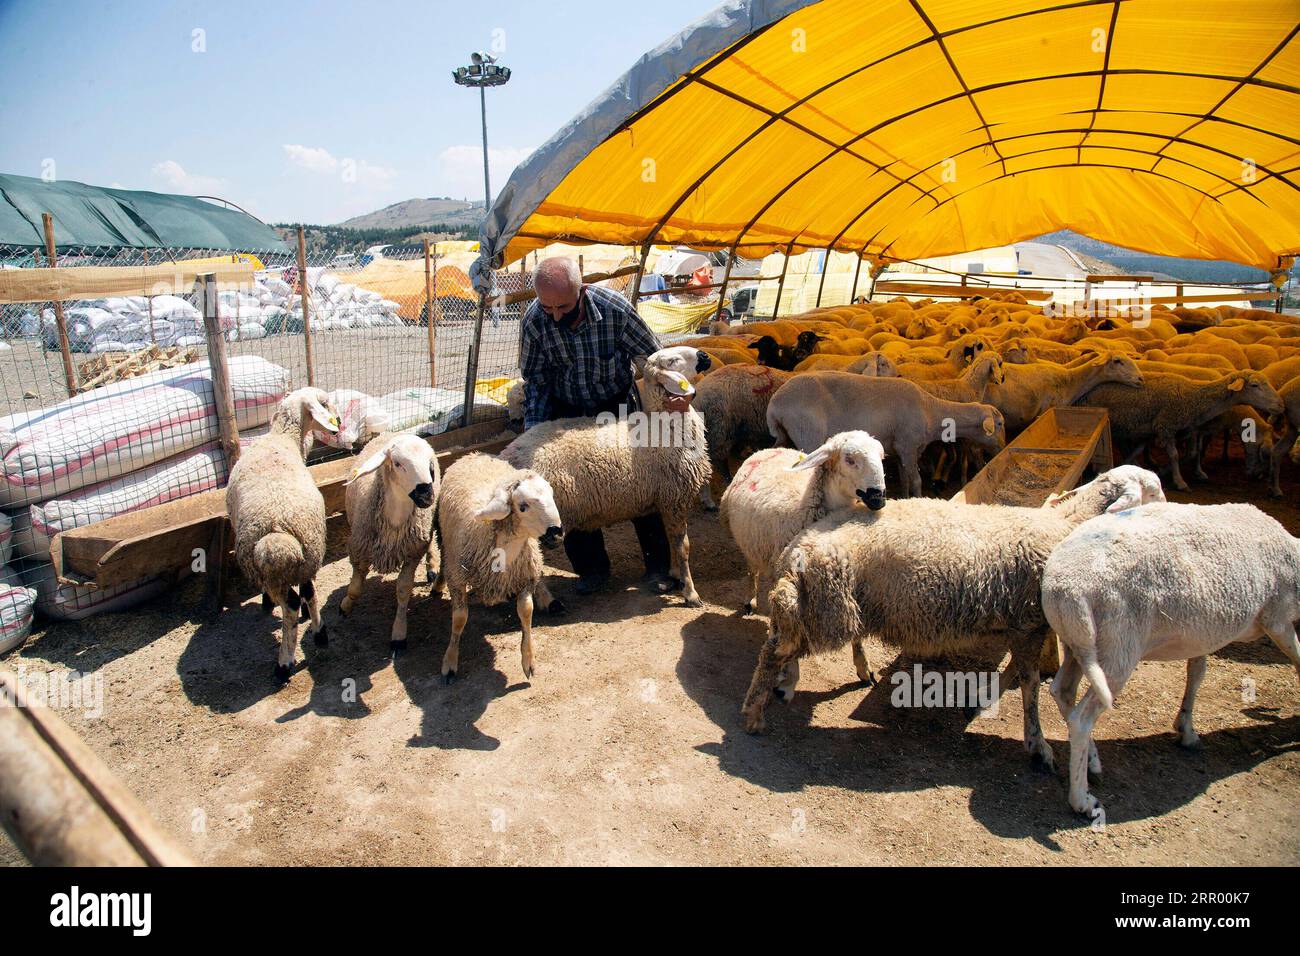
[[906, 129]]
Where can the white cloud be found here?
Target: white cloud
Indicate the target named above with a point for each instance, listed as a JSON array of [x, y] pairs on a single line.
[[460, 169], [176, 179], [317, 159]]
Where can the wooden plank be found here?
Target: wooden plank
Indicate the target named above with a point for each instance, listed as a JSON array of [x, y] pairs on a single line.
[[95, 282], [222, 394], [163, 538], [58, 800], [954, 291], [60, 321], [1216, 297], [1105, 278], [304, 290]]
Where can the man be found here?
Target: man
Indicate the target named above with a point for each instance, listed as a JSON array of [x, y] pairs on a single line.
[[579, 342]]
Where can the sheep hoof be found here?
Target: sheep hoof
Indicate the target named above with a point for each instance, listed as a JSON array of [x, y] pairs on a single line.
[[1192, 745], [1043, 763], [449, 678], [748, 607], [556, 608], [692, 602], [282, 672], [268, 606], [322, 637], [396, 647], [782, 694]]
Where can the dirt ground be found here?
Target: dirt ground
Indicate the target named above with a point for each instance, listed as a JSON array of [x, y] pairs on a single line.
[[627, 747]]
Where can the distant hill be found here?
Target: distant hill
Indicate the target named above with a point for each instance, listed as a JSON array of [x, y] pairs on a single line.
[[420, 212], [1142, 263], [333, 240]]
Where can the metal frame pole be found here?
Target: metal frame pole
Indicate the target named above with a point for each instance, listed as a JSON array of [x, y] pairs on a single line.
[[726, 277], [471, 366], [853, 293], [826, 263], [636, 276], [780, 285]]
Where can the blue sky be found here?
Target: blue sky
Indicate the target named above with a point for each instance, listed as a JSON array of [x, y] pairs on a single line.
[[302, 111]]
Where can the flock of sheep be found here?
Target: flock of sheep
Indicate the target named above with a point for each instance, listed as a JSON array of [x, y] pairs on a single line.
[[1116, 572]]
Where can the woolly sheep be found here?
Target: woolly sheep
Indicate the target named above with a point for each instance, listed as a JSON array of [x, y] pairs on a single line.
[[1162, 582], [490, 517], [733, 403], [932, 577], [278, 516], [605, 470], [1027, 391], [390, 500], [810, 408]]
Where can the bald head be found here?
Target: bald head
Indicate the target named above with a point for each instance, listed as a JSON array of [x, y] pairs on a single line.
[[558, 284]]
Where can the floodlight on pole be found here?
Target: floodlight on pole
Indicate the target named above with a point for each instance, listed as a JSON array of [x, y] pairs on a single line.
[[482, 72]]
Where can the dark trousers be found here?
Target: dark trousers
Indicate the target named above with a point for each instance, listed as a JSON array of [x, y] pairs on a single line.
[[586, 549]]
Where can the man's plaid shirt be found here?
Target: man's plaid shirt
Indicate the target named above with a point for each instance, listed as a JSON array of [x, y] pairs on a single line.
[[586, 367]]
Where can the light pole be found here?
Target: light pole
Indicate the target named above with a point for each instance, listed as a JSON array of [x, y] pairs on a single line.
[[482, 72]]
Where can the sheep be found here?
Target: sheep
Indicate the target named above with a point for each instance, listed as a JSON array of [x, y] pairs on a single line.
[[785, 358], [490, 517], [390, 519], [971, 386], [1027, 391], [733, 403], [874, 365], [278, 516], [810, 408], [1289, 394], [605, 470], [1168, 405], [931, 577], [1162, 582]]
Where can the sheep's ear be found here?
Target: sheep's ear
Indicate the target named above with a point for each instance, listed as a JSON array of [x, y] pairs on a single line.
[[323, 417], [813, 460], [639, 361], [369, 465], [1236, 385], [1130, 498], [498, 507], [990, 426], [675, 382]]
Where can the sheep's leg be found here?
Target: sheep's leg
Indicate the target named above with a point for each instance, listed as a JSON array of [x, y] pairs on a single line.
[[1082, 718], [1025, 652], [1282, 633], [775, 654], [1187, 737], [1281, 448], [459, 615], [355, 587], [1064, 689], [681, 565], [524, 605], [405, 585], [860, 663], [543, 598], [430, 575], [1170, 444], [289, 603], [1200, 445], [318, 632], [754, 604]]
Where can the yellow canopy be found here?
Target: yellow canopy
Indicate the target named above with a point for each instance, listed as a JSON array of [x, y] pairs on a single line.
[[904, 129]]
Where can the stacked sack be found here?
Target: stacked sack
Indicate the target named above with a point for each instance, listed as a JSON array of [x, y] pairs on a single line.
[[16, 601], [113, 450]]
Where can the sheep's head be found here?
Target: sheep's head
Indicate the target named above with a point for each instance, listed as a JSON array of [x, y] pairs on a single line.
[[529, 499], [1075, 328], [1121, 369], [967, 349], [920, 327], [1016, 352], [854, 466], [875, 365], [768, 350], [408, 463], [1253, 389], [312, 411], [991, 432], [989, 366], [806, 343], [670, 373], [1117, 490]]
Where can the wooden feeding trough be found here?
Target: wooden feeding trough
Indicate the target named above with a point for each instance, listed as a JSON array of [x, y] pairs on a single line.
[[1046, 458]]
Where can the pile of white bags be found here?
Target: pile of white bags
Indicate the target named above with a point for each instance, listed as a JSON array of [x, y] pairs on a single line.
[[16, 602], [120, 428], [267, 307]]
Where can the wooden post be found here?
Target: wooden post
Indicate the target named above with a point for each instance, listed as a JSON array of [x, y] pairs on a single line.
[[780, 285], [636, 276], [60, 321], [222, 395], [303, 288], [853, 293], [826, 264], [59, 802], [471, 365], [726, 277], [428, 317], [148, 299]]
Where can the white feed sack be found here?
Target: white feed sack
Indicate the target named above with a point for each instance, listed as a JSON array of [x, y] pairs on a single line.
[[6, 539], [16, 604], [67, 602], [128, 425]]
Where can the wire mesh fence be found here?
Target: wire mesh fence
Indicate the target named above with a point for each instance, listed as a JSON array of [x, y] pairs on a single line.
[[125, 416]]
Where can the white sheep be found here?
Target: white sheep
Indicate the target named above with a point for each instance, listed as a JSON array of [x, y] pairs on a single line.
[[390, 519], [278, 515], [779, 492], [609, 469], [490, 516], [931, 577], [733, 403], [905, 418], [1162, 582]]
